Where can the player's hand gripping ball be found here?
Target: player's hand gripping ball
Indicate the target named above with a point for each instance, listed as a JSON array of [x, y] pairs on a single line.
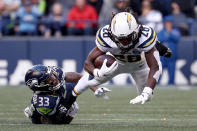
[[105, 66], [99, 60]]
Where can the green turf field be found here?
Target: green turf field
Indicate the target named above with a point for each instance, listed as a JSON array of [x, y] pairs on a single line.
[[115, 114]]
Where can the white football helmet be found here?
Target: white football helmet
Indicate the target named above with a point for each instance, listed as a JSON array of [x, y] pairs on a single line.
[[124, 29]]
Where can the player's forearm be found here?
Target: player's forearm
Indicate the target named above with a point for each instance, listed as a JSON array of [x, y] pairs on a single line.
[[93, 88], [72, 77], [154, 63], [151, 82], [89, 67]]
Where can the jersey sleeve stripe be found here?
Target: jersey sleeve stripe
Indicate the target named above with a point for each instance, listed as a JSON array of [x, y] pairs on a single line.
[[149, 41], [100, 40]]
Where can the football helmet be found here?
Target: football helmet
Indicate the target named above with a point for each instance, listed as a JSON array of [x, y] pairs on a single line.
[[124, 30], [42, 79]]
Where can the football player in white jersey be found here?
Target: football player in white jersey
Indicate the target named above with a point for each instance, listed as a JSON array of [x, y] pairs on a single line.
[[133, 46]]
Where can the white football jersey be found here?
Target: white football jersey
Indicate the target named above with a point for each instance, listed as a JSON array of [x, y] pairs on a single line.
[[146, 42]]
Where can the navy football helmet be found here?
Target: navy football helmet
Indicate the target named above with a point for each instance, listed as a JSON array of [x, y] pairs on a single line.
[[41, 78]]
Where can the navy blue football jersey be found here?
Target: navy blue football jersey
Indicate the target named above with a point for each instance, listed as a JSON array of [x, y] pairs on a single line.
[[43, 104]]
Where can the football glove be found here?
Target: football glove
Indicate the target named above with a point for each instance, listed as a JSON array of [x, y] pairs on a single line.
[[100, 92], [105, 71], [146, 95], [168, 53], [28, 112]]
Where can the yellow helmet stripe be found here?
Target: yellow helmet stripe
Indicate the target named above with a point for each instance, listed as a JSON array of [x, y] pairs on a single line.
[[113, 23], [129, 20]]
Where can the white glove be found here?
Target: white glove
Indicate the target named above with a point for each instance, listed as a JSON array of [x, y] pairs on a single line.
[[28, 112], [100, 92], [144, 97], [105, 71]]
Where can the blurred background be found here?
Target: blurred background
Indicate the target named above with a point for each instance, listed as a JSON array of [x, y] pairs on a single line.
[[62, 32]]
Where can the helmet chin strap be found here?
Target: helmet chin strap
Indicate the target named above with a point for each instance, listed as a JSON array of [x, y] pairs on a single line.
[[124, 49]]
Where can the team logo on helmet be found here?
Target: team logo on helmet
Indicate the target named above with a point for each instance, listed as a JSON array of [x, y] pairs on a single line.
[[129, 20], [32, 82]]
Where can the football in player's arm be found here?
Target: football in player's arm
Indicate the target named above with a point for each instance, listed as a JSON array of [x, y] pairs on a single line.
[[133, 46], [51, 87]]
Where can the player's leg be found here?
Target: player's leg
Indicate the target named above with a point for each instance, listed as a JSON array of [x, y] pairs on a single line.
[[69, 98], [80, 87], [140, 78], [88, 81], [67, 105]]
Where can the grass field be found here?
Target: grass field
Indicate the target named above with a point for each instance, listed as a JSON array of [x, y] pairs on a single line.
[[170, 110]]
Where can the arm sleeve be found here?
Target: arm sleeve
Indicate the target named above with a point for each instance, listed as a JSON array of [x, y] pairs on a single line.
[[161, 48]]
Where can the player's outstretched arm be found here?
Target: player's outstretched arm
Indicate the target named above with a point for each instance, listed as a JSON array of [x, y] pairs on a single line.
[[75, 77], [153, 61], [72, 77], [100, 92]]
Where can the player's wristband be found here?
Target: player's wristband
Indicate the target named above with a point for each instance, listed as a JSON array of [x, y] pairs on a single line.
[[95, 72], [148, 90]]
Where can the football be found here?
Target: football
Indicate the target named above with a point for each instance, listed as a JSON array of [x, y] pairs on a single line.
[[100, 59]]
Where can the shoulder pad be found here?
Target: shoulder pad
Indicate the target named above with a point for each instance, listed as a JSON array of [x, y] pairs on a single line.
[[102, 38], [148, 39]]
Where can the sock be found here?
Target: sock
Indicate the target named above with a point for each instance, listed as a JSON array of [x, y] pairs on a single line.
[[82, 85]]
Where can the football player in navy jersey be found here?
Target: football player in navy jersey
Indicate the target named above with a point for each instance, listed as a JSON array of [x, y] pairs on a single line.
[[134, 47], [50, 103]]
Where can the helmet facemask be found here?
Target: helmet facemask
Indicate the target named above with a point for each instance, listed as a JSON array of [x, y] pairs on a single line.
[[53, 83], [127, 42]]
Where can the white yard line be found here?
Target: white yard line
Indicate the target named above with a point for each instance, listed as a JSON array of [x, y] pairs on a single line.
[[122, 119], [136, 119], [13, 124], [14, 118], [133, 114], [86, 121]]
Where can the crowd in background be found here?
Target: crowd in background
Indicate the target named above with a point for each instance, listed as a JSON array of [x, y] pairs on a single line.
[[171, 19], [83, 17]]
